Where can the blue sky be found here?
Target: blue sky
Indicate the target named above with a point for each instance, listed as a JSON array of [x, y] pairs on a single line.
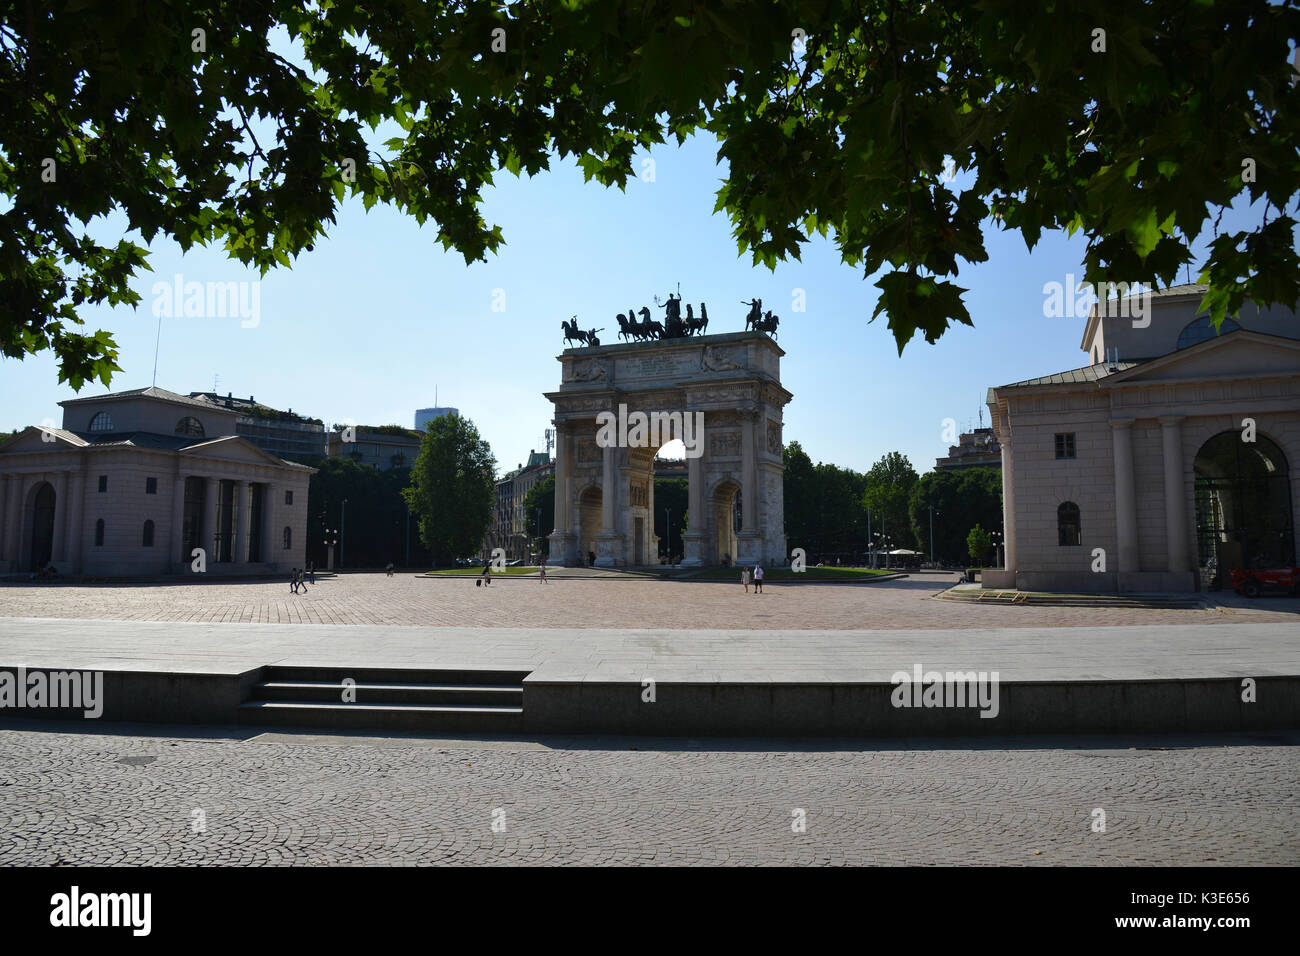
[[367, 325]]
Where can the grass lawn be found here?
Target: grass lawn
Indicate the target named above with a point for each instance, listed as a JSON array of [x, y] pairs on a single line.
[[785, 574], [473, 572]]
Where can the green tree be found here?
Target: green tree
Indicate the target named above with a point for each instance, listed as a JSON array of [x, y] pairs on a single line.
[[672, 497], [961, 499], [802, 528], [978, 545], [376, 515], [889, 485], [540, 495], [210, 129], [452, 488]]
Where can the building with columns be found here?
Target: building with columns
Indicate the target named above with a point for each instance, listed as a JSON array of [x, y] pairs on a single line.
[[133, 482], [604, 496], [1169, 459]]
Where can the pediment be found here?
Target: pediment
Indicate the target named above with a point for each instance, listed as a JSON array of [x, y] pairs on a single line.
[[38, 438], [233, 448], [1236, 355]]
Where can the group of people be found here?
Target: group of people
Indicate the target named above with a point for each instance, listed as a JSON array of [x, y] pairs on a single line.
[[300, 578], [486, 576], [756, 577]]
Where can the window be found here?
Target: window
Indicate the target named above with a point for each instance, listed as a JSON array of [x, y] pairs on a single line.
[[103, 483], [1067, 524], [190, 426], [99, 533], [148, 534], [1065, 445], [151, 486], [1200, 330], [288, 538], [288, 500], [103, 422]]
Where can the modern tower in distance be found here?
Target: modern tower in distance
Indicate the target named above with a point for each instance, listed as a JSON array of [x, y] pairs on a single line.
[[425, 415]]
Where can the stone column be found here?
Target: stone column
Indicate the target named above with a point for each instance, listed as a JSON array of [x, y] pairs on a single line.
[[176, 545], [239, 527], [1176, 543], [608, 542], [1008, 508], [748, 543], [6, 489], [75, 536], [271, 545], [208, 537], [561, 478], [57, 550], [14, 524], [1125, 496], [695, 539]]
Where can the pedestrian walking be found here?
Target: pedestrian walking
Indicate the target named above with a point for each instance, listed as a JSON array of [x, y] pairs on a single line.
[[487, 571], [744, 578], [311, 572], [389, 569], [302, 581], [758, 579], [542, 568], [293, 580]]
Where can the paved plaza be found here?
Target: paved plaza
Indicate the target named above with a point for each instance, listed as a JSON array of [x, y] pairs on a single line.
[[122, 798], [631, 602]]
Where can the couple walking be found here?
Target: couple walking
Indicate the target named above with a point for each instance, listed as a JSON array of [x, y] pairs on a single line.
[[756, 576]]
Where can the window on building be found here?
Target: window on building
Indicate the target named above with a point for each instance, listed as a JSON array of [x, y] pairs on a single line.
[[103, 422], [190, 426], [1067, 524], [288, 538], [1065, 445], [1199, 330], [103, 483], [99, 533], [151, 486], [288, 500], [148, 534]]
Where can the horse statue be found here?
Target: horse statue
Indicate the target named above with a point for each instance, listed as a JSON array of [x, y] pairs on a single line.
[[768, 323], [571, 331], [694, 325], [755, 315], [649, 328], [627, 329]]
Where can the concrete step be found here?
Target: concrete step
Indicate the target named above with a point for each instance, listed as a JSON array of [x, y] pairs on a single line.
[[403, 717], [367, 692], [393, 675]]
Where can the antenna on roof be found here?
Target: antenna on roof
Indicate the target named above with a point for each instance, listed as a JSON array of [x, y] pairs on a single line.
[[156, 341], [215, 379]]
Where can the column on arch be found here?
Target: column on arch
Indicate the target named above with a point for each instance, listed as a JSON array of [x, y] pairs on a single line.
[[1125, 495]]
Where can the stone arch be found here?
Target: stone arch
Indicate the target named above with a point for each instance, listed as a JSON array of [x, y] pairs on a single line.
[[42, 500], [1243, 504]]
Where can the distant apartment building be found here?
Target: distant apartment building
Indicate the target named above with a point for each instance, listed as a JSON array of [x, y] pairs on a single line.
[[511, 529], [977, 449], [282, 433], [425, 415], [384, 446]]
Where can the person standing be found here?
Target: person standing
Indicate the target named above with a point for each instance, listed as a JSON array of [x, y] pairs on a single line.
[[311, 572], [758, 579], [293, 580], [542, 569], [389, 569], [744, 578], [487, 571]]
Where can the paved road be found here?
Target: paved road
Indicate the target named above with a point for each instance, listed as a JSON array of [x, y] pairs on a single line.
[[406, 600], [118, 798]]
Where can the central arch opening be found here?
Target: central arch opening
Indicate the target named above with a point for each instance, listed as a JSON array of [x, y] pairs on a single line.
[[728, 520], [589, 522], [42, 526]]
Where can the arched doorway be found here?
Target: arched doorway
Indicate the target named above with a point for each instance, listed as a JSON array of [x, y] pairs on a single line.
[[42, 526], [728, 520], [1243, 507], [589, 521]]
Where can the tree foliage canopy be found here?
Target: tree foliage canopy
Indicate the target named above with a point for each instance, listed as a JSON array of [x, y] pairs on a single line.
[[836, 118], [961, 499], [452, 488]]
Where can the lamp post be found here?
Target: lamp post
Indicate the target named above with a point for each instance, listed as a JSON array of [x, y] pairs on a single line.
[[407, 527], [538, 512], [343, 524], [933, 560], [668, 532], [997, 546], [331, 539]]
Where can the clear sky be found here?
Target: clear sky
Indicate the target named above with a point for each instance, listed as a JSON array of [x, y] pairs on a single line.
[[367, 325]]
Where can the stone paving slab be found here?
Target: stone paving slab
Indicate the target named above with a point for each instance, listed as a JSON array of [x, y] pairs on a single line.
[[127, 798], [1155, 652]]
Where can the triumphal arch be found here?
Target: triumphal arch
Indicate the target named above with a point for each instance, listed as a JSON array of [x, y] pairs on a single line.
[[617, 405]]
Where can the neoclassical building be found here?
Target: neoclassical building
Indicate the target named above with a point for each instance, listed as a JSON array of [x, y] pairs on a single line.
[[133, 482], [604, 495], [1168, 459]]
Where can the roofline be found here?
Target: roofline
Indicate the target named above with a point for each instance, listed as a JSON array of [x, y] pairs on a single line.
[[1170, 358], [180, 400]]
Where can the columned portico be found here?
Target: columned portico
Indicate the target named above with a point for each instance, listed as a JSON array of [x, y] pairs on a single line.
[[211, 534], [721, 395], [239, 527]]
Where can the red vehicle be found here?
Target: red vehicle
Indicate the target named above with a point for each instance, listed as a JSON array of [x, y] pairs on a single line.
[[1253, 583]]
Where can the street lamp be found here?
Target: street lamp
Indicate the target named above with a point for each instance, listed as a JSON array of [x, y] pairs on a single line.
[[933, 561], [668, 532], [997, 546], [538, 512], [343, 524], [331, 539]]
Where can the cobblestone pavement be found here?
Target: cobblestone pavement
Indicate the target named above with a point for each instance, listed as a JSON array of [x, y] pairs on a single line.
[[117, 798], [577, 602]]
